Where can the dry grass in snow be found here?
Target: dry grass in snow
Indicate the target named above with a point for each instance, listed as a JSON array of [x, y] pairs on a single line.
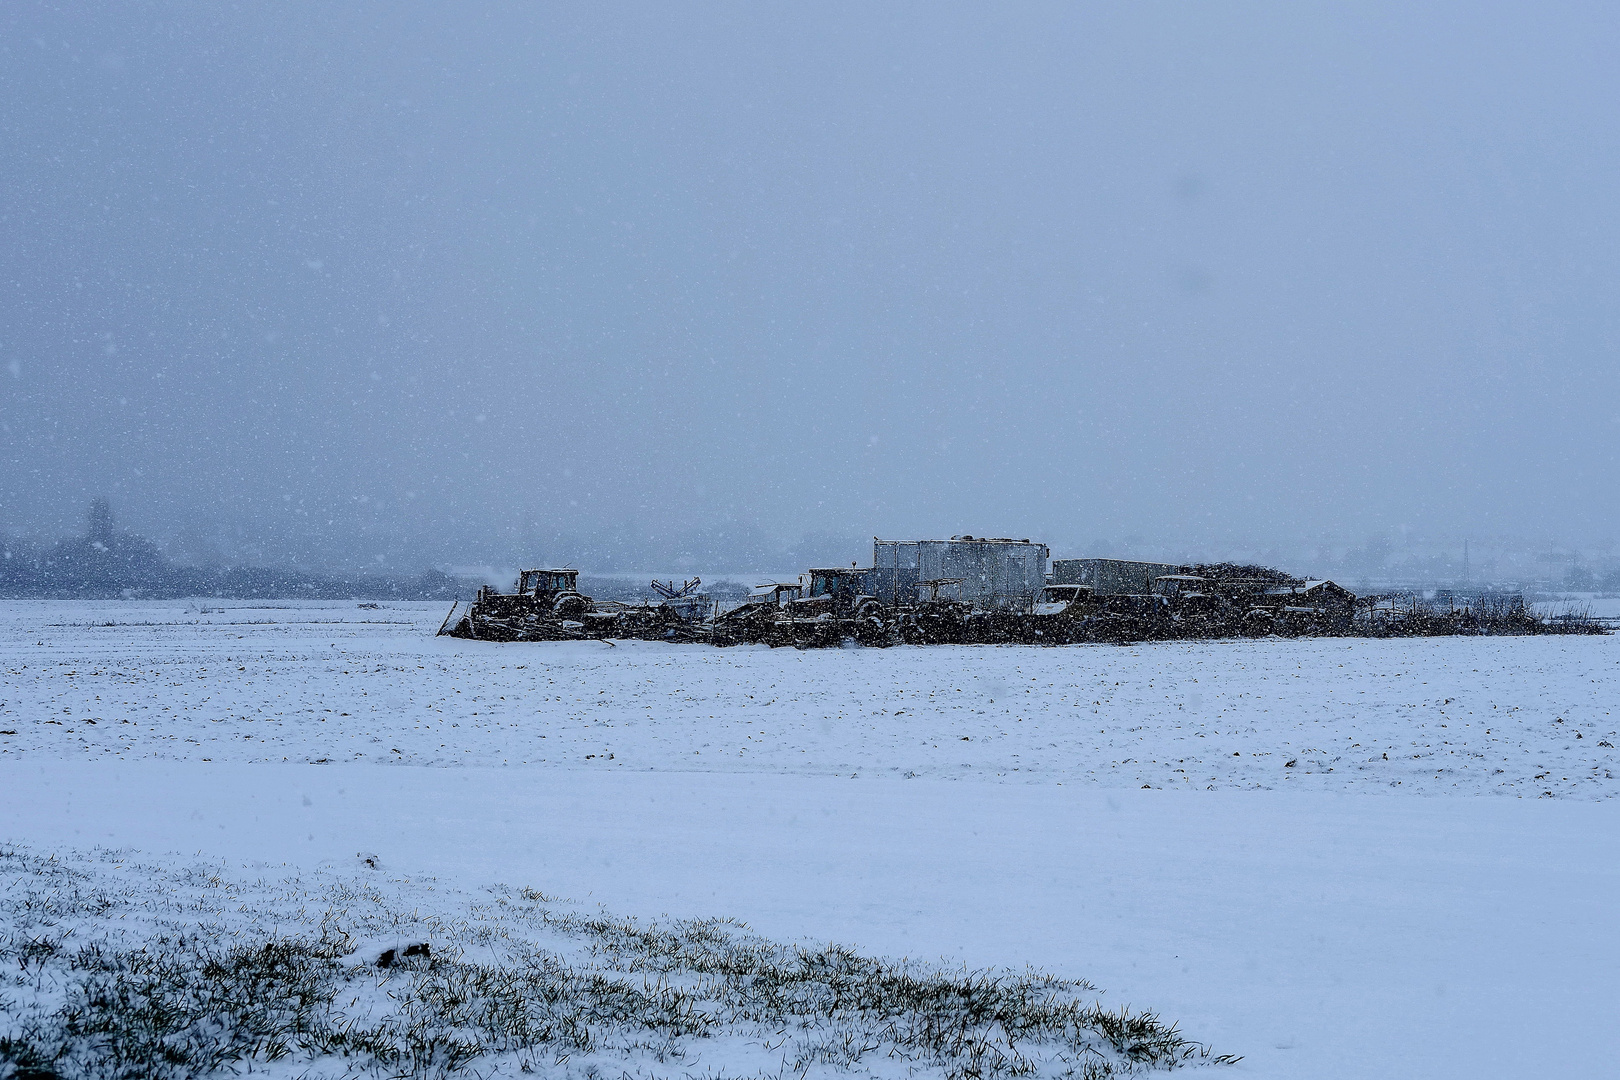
[[113, 968]]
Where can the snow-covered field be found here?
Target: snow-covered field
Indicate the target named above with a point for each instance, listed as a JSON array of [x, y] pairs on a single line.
[[334, 683], [1357, 858], [123, 968]]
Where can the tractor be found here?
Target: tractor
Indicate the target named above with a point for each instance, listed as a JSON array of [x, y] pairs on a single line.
[[546, 606]]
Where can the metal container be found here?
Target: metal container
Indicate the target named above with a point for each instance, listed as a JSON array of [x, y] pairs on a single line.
[[994, 574], [1111, 577]]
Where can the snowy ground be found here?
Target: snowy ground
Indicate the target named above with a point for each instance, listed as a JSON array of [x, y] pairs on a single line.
[[330, 683], [1356, 916], [124, 968]]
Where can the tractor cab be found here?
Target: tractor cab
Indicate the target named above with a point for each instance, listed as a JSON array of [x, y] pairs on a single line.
[[836, 591], [541, 583], [554, 590], [1064, 600], [840, 583], [1181, 586]]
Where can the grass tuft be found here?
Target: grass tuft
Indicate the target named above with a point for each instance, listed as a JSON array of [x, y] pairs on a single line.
[[172, 973]]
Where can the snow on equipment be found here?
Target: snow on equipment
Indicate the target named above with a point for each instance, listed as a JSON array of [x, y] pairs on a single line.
[[977, 590]]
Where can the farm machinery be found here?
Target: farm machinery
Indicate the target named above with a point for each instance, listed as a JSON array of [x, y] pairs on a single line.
[[546, 605], [973, 591], [838, 604]]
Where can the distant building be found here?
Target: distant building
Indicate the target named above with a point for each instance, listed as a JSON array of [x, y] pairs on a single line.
[[1112, 577], [100, 522], [991, 574]]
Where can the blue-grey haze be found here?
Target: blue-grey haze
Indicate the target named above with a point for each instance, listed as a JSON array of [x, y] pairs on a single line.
[[427, 283]]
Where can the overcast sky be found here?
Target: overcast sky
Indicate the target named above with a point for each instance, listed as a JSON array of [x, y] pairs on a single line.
[[1197, 273]]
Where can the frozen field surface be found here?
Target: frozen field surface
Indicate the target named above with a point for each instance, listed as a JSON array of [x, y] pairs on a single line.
[[1528, 717], [1346, 916], [357, 972]]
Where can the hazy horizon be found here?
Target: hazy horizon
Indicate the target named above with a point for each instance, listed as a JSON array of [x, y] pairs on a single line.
[[411, 285]]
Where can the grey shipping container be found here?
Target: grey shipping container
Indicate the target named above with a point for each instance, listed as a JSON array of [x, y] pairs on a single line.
[[995, 575]]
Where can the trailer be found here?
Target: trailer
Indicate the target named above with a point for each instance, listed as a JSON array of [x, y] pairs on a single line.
[[1112, 577]]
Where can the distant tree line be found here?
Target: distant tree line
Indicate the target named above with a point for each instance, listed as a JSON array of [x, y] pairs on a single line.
[[108, 563]]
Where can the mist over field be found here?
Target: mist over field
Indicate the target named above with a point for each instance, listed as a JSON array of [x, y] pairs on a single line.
[[727, 287], [442, 444]]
